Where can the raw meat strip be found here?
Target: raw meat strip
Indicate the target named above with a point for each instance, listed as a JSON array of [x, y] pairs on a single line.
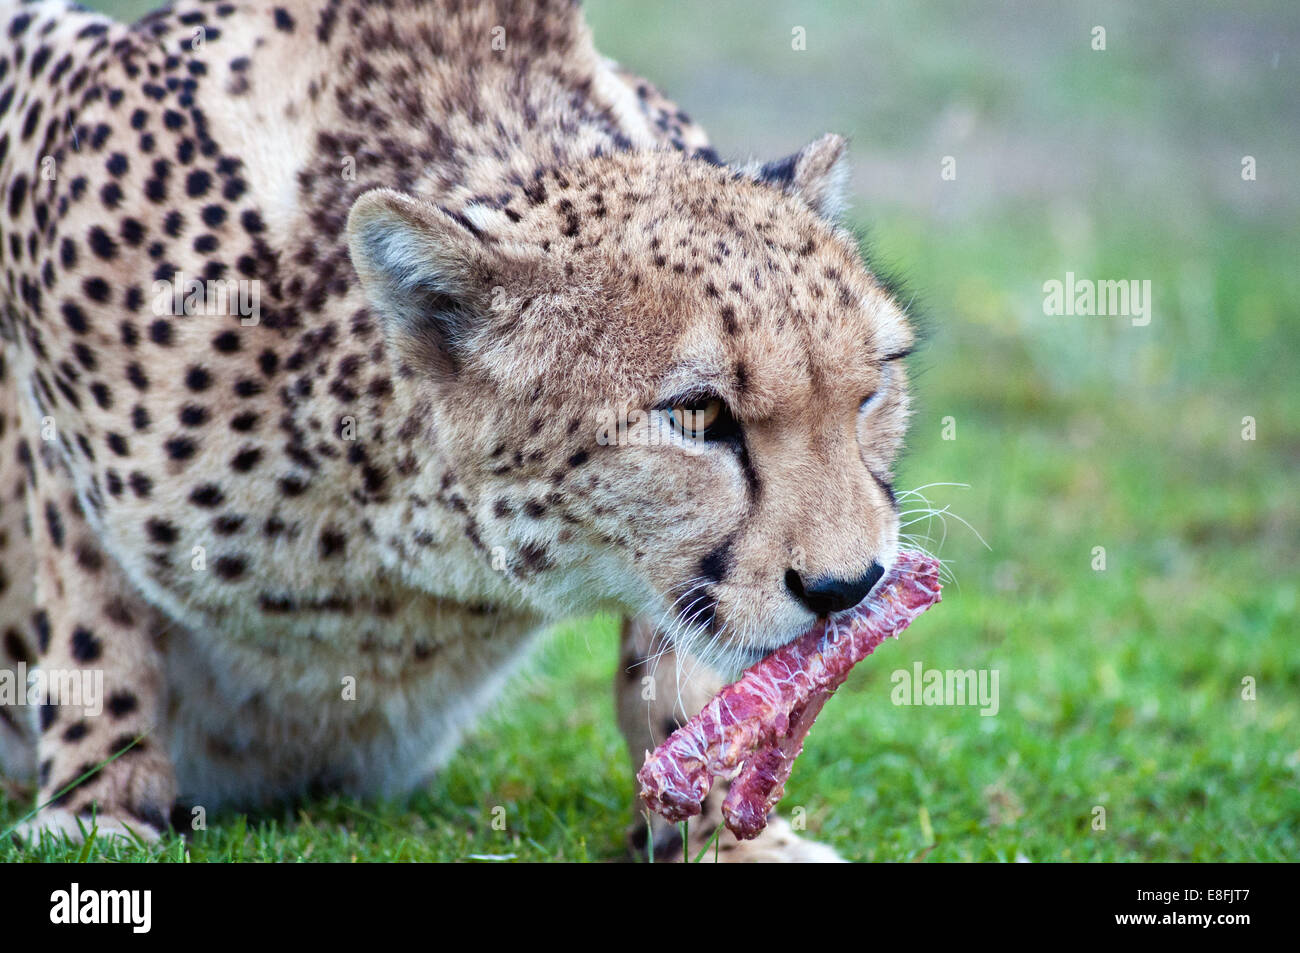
[[752, 730]]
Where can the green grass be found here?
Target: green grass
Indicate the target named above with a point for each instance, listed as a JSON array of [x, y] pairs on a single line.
[[1120, 689]]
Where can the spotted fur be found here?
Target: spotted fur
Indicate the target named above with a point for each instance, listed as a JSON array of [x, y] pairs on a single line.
[[473, 238]]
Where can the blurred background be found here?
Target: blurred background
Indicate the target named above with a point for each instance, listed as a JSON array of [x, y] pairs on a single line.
[[1164, 689]]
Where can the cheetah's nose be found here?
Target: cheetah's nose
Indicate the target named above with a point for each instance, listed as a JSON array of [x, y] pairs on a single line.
[[827, 594]]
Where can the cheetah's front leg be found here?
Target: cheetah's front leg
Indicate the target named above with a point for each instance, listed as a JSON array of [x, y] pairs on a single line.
[[95, 637], [655, 695]]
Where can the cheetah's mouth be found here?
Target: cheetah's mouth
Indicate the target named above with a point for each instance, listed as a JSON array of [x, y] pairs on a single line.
[[752, 731]]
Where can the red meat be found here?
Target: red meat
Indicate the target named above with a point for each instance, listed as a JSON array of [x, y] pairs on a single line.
[[751, 731]]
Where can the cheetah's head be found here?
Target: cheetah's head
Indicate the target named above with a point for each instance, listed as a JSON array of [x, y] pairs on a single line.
[[665, 386]]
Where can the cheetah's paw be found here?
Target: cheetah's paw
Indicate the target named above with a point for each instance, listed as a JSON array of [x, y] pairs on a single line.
[[59, 823]]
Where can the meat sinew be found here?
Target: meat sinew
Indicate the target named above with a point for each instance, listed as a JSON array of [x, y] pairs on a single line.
[[751, 731]]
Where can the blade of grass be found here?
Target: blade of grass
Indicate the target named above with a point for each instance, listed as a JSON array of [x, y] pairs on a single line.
[[712, 841]]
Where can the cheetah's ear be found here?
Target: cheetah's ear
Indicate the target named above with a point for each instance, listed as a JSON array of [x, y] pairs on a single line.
[[818, 173], [429, 274]]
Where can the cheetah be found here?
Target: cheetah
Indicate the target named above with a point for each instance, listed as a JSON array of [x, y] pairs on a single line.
[[348, 345]]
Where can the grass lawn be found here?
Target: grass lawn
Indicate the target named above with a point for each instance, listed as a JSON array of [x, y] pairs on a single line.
[[1120, 689]]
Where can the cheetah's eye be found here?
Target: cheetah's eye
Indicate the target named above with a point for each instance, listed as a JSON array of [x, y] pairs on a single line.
[[703, 419], [872, 399]]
